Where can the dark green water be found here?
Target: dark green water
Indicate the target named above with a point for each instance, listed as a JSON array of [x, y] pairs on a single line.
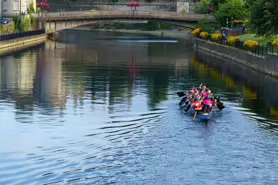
[[100, 108]]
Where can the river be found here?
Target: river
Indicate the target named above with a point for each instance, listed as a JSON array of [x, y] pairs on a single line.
[[101, 108]]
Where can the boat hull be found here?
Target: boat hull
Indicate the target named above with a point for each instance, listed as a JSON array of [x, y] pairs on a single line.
[[202, 116]]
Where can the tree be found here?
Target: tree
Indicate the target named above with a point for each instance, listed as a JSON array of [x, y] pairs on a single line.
[[264, 17], [248, 4], [232, 9], [215, 3], [203, 7]]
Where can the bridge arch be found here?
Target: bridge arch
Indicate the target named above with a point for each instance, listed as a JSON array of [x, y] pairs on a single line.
[[64, 20]]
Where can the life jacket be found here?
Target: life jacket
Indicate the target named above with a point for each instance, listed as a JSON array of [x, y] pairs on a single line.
[[197, 106]]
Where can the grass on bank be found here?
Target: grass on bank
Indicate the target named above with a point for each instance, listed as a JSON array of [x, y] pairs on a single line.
[[260, 40]]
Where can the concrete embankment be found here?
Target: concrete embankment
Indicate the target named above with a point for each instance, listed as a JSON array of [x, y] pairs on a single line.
[[20, 43], [267, 65]]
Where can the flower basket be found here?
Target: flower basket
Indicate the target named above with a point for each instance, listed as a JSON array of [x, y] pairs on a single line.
[[204, 35], [196, 32], [216, 37], [250, 45], [233, 41], [275, 43]]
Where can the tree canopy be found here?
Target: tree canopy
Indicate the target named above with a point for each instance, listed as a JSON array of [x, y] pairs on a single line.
[[264, 17], [232, 9]]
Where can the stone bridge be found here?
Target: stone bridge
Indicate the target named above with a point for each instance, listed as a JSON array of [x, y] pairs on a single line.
[[57, 21]]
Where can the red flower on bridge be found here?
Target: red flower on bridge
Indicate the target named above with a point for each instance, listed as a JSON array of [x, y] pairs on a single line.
[[133, 4], [43, 4]]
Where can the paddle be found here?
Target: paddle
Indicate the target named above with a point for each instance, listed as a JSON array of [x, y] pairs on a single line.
[[219, 104], [187, 108], [195, 115], [180, 94]]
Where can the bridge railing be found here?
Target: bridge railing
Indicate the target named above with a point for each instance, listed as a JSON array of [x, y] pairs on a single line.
[[120, 13]]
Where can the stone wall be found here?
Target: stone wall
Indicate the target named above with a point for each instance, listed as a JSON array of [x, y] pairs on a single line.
[[267, 65], [4, 45], [264, 83]]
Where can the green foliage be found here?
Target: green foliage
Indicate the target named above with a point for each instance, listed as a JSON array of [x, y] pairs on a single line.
[[21, 24], [248, 4], [260, 40], [31, 7], [32, 19], [25, 24], [14, 26], [215, 3], [232, 9], [183, 11], [203, 7], [207, 26], [264, 17]]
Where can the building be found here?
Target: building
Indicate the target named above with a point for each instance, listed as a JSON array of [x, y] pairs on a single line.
[[9, 8], [1, 8]]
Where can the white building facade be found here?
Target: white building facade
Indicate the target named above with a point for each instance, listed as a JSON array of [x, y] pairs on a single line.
[[9, 8]]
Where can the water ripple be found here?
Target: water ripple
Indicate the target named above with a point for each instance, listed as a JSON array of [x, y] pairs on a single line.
[[98, 112]]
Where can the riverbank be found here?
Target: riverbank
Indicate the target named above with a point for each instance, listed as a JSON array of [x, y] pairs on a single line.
[[21, 41], [267, 65], [166, 33], [22, 47], [18, 43]]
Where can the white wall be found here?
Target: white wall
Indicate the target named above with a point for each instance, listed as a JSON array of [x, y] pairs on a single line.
[[13, 7], [1, 1], [182, 6]]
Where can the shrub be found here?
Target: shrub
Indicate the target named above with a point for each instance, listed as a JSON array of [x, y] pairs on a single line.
[[232, 41], [196, 32], [207, 26], [246, 22], [203, 7], [216, 37], [21, 24], [250, 45], [275, 43], [204, 35], [230, 9]]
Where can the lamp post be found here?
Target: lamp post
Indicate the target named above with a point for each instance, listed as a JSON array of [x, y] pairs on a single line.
[[133, 5]]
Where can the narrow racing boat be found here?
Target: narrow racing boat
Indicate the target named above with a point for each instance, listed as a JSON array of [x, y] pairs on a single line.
[[202, 109], [199, 114]]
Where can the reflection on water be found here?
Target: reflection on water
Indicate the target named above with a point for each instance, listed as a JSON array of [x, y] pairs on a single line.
[[256, 90], [149, 41], [90, 110]]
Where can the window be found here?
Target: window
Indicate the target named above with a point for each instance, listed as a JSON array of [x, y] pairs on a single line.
[[5, 6], [16, 5]]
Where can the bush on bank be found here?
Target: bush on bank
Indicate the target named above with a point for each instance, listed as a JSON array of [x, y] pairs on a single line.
[[204, 35], [275, 43], [216, 37], [196, 32], [232, 41], [21, 24], [250, 45]]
